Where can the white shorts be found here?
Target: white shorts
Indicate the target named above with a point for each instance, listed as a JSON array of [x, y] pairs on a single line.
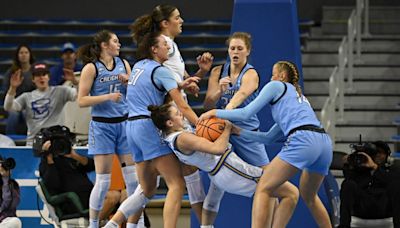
[[237, 177]]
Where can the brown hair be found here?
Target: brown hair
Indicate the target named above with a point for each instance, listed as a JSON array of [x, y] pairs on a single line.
[[246, 37], [160, 115], [293, 74], [146, 43], [91, 52], [16, 64], [150, 22]]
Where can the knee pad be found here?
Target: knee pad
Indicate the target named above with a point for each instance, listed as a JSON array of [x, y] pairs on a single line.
[[99, 191], [134, 202], [213, 198], [195, 188], [130, 178]]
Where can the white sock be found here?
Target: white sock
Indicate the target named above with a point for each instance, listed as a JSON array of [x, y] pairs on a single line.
[[93, 223], [111, 224], [131, 225], [207, 226]]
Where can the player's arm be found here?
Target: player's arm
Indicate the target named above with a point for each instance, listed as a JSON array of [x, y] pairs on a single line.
[[214, 91], [188, 142], [250, 82], [269, 137], [164, 78], [270, 92], [88, 75]]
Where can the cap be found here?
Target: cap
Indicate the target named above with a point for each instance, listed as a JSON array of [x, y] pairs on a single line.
[[40, 69], [68, 47]]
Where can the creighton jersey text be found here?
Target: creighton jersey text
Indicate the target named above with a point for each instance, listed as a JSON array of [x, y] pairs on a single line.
[[107, 81]]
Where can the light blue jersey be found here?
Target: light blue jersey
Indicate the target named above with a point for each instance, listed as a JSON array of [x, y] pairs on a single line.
[[253, 122], [142, 88], [106, 82], [249, 150], [291, 111], [107, 132], [148, 84], [307, 147]]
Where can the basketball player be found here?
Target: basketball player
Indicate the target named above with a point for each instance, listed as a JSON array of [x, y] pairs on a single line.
[[307, 148], [167, 20], [234, 85], [101, 88], [227, 171], [148, 84]]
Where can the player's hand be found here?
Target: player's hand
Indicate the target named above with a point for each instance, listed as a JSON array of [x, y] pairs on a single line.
[[235, 130], [116, 97], [124, 78], [224, 83], [188, 81], [205, 61], [207, 115], [193, 88]]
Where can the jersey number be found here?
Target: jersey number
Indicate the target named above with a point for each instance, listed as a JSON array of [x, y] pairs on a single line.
[[135, 76], [114, 88]]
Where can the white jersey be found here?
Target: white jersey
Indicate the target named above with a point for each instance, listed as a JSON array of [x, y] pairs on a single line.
[[175, 62], [228, 172]]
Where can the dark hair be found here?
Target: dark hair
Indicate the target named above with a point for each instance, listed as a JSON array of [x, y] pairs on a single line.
[[293, 74], [246, 37], [91, 52], [382, 145], [147, 42], [16, 64], [160, 115], [150, 22]]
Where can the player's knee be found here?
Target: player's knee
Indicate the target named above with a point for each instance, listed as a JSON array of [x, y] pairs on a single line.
[[99, 191]]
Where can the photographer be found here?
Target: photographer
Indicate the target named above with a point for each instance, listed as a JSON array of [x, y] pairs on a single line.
[[66, 173], [9, 195], [371, 188]]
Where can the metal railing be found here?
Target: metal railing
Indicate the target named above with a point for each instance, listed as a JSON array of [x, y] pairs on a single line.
[[329, 118]]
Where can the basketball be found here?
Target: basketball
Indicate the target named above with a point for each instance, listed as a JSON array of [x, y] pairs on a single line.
[[211, 128]]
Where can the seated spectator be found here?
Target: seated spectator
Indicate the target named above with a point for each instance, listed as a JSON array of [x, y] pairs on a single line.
[[371, 188], [68, 173], [44, 106], [21, 66], [65, 70], [9, 197]]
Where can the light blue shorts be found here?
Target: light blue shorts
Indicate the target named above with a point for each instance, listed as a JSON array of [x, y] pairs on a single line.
[[308, 150], [107, 138], [250, 151], [145, 141]]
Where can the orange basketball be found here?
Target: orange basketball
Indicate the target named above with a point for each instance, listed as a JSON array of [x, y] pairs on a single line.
[[211, 128]]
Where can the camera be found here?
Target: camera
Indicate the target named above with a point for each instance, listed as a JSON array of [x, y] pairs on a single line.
[[356, 159], [61, 141], [8, 163]]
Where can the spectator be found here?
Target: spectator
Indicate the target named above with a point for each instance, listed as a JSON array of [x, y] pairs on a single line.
[[68, 173], [9, 198], [21, 66], [65, 70], [371, 188], [44, 106]]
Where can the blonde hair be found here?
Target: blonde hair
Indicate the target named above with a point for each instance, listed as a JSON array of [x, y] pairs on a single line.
[[246, 37], [292, 72]]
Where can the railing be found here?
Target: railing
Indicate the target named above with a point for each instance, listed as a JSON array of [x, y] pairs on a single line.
[[345, 65], [336, 94]]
